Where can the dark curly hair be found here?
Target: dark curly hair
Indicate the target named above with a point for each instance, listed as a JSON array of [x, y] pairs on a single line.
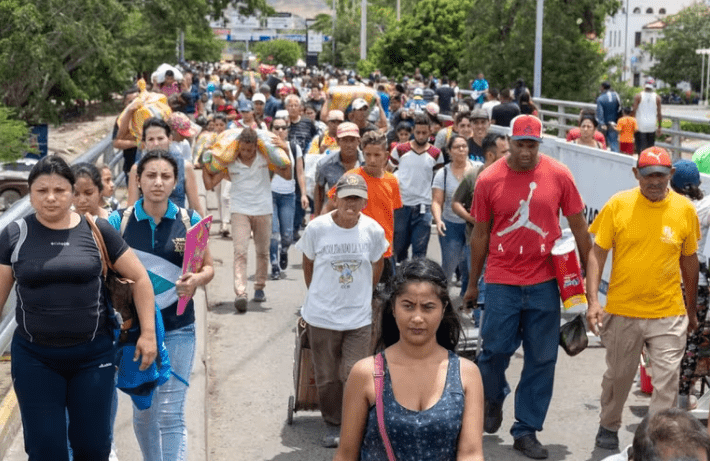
[[413, 271]]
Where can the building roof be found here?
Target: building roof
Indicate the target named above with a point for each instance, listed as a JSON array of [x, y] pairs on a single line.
[[655, 25]]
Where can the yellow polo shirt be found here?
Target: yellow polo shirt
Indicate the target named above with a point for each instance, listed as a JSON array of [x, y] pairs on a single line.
[[647, 239]]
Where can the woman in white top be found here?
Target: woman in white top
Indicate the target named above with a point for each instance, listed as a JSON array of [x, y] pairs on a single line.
[[451, 228], [283, 194]]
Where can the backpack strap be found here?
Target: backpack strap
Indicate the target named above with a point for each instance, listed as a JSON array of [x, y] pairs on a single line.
[[185, 217], [379, 375], [125, 217]]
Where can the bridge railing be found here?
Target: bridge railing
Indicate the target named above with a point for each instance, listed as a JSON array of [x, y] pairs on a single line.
[[103, 151], [560, 116]]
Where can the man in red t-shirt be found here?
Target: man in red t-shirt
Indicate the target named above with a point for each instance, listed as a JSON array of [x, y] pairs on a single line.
[[516, 209]]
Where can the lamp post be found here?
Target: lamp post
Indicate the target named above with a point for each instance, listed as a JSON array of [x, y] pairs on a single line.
[[704, 89], [332, 39], [537, 80], [363, 30]]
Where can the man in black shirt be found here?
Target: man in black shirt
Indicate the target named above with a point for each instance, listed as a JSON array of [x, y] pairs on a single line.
[[506, 111], [444, 95]]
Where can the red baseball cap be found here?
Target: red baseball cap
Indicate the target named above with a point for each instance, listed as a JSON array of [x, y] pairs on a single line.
[[526, 127], [654, 160]]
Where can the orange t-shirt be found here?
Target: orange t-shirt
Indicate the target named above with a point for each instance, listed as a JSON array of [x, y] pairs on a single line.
[[626, 127], [382, 199]]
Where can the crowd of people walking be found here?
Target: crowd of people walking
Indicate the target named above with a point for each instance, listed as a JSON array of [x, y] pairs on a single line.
[[363, 185]]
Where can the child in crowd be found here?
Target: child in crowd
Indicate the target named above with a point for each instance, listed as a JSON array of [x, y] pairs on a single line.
[[626, 126], [110, 202], [404, 134]]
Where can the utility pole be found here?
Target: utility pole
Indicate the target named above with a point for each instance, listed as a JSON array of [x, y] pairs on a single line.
[[398, 10], [332, 39], [537, 79], [363, 29], [626, 45]]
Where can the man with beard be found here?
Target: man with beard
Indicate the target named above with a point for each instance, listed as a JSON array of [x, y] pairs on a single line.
[[416, 161]]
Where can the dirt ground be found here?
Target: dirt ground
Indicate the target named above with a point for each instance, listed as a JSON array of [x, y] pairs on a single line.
[[77, 136]]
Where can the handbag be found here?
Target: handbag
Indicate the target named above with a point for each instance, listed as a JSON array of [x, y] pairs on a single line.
[[119, 290], [573, 336], [379, 406]]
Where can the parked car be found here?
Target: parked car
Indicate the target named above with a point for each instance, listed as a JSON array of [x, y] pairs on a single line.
[[13, 181]]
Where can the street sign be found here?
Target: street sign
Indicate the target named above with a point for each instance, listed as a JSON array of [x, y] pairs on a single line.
[[315, 41], [237, 21], [279, 23]]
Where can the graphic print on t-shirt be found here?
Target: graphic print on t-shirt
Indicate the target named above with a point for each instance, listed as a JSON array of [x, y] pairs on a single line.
[[523, 216], [346, 269]]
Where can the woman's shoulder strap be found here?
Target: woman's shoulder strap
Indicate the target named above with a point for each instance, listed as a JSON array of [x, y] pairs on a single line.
[[125, 217]]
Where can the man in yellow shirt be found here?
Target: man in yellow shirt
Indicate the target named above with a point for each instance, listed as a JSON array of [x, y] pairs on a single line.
[[654, 234]]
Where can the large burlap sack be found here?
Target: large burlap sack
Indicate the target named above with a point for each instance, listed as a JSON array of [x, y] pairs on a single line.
[[203, 142], [224, 150], [340, 97], [153, 105]]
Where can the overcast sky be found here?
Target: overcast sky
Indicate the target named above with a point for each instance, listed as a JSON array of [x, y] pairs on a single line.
[[305, 8]]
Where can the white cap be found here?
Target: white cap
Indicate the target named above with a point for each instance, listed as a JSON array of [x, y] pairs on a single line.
[[258, 97]]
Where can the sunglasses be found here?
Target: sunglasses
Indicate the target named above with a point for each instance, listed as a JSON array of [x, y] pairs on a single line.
[[335, 121], [280, 128]]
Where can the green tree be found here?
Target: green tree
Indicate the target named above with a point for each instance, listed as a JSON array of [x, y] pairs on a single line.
[[279, 51], [429, 39], [245, 7], [14, 135], [675, 52], [347, 30], [55, 52], [500, 42]]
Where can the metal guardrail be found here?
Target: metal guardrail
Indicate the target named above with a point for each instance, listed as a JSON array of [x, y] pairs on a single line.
[[557, 118], [22, 208]]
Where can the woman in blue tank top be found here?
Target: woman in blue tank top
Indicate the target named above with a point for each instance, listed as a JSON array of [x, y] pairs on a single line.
[[432, 399]]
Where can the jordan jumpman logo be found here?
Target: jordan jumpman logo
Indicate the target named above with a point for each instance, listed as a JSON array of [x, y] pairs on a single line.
[[523, 215]]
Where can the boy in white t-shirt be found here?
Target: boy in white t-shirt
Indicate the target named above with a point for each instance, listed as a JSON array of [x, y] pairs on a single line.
[[342, 261]]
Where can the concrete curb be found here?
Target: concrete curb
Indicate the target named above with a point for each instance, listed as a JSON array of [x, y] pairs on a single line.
[[10, 421]]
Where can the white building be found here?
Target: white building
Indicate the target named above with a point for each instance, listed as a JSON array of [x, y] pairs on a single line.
[[637, 22]]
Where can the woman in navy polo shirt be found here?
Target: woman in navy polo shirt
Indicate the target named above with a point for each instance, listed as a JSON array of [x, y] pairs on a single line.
[[155, 229]]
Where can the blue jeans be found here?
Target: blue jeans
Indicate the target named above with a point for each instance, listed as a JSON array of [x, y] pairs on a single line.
[[612, 139], [529, 315], [51, 382], [281, 224], [452, 250], [161, 429], [411, 228], [298, 211]]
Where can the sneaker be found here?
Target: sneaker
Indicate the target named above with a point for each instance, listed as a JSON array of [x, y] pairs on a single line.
[[224, 230], [240, 304], [259, 296], [283, 260], [493, 416], [530, 447], [609, 440], [275, 273], [331, 439]]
